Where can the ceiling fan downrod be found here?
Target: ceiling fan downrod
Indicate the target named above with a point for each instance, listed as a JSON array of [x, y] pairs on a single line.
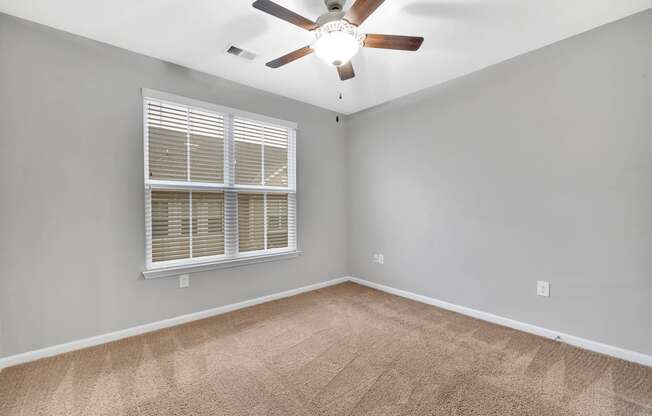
[[335, 5]]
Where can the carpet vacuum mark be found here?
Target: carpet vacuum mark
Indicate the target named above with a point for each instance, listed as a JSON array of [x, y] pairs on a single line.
[[342, 350]]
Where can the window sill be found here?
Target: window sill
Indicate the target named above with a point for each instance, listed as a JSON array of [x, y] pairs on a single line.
[[222, 264]]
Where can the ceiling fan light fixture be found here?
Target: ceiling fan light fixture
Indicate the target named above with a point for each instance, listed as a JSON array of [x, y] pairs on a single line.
[[337, 42], [337, 38]]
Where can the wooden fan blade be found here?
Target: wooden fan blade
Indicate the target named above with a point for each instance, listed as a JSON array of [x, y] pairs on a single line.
[[292, 56], [360, 10], [284, 14], [403, 43], [346, 71]]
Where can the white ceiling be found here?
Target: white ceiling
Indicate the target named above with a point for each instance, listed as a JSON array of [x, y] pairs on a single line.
[[461, 36]]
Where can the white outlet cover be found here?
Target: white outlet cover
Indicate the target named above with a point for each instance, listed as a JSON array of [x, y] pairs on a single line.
[[543, 288], [184, 280], [381, 258]]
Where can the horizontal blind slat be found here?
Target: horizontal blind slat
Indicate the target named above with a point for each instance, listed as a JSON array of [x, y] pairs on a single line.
[[277, 221], [251, 222], [171, 232], [207, 224]]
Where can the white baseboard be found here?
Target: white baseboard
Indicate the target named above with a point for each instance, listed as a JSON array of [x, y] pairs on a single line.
[[154, 326], [599, 347]]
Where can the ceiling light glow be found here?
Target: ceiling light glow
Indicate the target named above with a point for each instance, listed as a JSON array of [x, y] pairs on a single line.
[[337, 42]]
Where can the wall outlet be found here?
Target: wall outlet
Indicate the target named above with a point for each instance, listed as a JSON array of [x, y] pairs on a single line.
[[184, 280], [543, 288]]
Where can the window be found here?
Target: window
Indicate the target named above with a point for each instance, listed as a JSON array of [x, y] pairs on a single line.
[[219, 184]]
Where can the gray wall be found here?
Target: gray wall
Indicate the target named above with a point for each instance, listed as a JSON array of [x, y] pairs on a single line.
[[71, 186], [539, 168]]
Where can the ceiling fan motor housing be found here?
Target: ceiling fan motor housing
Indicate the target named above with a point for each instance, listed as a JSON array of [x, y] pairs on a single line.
[[330, 17], [335, 12]]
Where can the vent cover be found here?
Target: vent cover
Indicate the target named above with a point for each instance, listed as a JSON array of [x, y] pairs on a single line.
[[241, 53]]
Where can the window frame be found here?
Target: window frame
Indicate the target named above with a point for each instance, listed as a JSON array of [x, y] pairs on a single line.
[[231, 257]]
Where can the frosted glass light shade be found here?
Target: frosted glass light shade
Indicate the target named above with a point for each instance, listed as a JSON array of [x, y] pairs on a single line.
[[337, 42], [336, 48]]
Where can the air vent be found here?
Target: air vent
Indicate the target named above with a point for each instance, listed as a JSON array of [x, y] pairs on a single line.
[[241, 53]]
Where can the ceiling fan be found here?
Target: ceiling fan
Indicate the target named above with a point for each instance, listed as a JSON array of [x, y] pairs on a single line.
[[337, 38]]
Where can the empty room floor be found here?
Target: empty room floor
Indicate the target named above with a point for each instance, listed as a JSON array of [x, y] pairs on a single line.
[[342, 350]]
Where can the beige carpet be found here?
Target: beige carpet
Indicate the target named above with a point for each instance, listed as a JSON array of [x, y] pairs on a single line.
[[343, 350]]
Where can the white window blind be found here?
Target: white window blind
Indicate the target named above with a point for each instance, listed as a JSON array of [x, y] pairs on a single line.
[[219, 183]]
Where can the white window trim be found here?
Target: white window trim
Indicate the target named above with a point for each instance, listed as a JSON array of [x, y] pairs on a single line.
[[202, 266], [193, 265]]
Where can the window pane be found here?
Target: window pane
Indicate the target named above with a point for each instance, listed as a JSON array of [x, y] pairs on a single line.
[[168, 152], [170, 225], [251, 222], [277, 221], [276, 156], [260, 149], [207, 224], [276, 165], [206, 147], [248, 163]]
